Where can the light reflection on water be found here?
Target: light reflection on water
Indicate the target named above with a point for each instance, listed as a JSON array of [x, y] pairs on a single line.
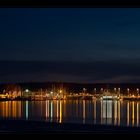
[[26, 110], [74, 111]]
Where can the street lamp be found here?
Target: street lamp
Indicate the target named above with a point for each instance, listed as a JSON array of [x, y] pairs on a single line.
[[101, 89], [95, 90], [84, 89], [138, 91], [51, 93], [128, 90], [119, 91], [27, 91], [60, 91]]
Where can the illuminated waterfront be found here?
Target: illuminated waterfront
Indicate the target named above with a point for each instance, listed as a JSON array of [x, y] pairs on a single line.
[[108, 112]]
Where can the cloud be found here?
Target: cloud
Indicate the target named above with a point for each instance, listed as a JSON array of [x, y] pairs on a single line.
[[82, 72], [120, 79]]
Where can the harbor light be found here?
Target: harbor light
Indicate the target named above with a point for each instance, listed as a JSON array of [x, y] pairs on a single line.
[[101, 89], [128, 92], [60, 91], [27, 90], [115, 89], [133, 95], [84, 89]]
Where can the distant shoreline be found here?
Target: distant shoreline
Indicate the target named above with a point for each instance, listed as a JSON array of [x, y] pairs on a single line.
[[127, 99]]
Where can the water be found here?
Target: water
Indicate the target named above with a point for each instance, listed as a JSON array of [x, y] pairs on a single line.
[[125, 113]]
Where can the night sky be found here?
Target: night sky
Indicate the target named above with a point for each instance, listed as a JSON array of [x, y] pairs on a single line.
[[84, 45]]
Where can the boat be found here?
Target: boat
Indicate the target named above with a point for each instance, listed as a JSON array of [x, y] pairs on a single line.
[[109, 96]]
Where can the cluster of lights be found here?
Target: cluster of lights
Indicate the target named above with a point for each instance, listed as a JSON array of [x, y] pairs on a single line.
[[116, 89]]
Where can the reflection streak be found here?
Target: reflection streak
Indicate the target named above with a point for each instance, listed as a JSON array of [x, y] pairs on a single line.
[[60, 121], [133, 113], [137, 114], [115, 112], [109, 110], [57, 106], [95, 111], [51, 111], [128, 113], [26, 110], [119, 113], [84, 112]]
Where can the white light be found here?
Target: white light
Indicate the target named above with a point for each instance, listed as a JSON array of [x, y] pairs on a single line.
[[107, 97], [27, 90]]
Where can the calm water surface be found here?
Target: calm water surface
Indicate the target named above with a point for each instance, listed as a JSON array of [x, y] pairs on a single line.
[[74, 111]]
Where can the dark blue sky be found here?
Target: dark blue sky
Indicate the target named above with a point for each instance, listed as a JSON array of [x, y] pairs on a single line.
[[74, 44]]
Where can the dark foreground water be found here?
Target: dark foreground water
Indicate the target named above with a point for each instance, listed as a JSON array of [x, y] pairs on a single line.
[[124, 113]]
